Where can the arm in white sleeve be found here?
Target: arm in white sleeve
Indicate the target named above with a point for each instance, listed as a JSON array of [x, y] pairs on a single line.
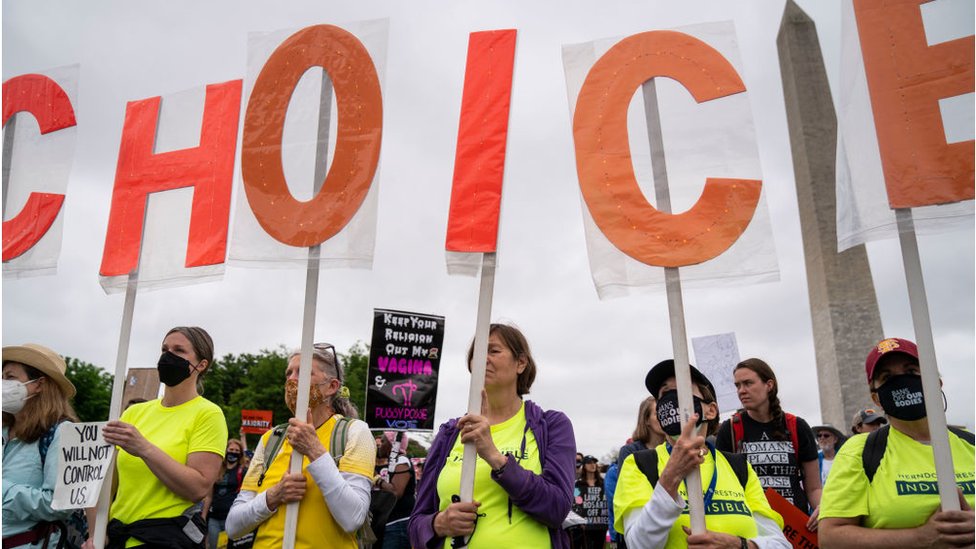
[[248, 511], [770, 536], [649, 526], [346, 494]]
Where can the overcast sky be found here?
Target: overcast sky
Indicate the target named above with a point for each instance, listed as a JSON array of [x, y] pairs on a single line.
[[592, 354]]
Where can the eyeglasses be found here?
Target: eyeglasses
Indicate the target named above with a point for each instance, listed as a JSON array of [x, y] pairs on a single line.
[[824, 435], [322, 349]]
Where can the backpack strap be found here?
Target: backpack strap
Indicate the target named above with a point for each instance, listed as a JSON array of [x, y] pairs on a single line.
[[44, 443], [963, 434], [740, 465], [271, 448], [874, 449], [337, 440], [646, 461], [738, 430], [877, 442], [794, 437]]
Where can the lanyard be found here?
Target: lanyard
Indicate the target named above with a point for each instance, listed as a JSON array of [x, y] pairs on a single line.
[[710, 493]]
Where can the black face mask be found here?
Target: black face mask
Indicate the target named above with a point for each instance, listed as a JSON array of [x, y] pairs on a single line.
[[173, 369], [901, 397], [232, 458], [669, 414]]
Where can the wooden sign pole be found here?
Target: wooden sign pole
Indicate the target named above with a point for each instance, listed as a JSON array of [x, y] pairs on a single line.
[[931, 384], [676, 312]]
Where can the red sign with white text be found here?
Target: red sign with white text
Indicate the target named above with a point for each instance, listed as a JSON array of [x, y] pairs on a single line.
[[255, 422]]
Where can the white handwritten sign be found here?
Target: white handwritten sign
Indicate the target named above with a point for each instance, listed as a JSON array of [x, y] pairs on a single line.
[[83, 460], [716, 357]]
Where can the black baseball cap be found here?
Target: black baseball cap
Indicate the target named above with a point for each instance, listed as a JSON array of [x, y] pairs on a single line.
[[665, 369]]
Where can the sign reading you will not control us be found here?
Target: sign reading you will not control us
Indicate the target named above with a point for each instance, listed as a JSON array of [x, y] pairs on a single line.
[[83, 460]]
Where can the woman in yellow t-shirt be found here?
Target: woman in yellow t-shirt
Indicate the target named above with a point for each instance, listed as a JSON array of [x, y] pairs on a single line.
[[171, 451], [654, 516], [896, 502], [524, 475]]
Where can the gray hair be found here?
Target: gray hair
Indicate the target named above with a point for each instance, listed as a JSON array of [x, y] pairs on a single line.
[[325, 356]]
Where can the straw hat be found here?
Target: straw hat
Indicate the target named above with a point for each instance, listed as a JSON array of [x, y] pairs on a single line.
[[43, 359]]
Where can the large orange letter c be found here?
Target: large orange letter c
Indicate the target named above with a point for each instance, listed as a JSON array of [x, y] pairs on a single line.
[[604, 164]]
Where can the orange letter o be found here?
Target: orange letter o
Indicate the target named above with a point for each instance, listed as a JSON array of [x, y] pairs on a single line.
[[357, 151]]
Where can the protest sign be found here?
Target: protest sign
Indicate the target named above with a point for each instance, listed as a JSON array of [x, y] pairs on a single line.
[[716, 356], [83, 460], [255, 422], [794, 522], [404, 359]]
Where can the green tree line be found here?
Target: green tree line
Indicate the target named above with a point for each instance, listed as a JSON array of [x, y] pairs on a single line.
[[235, 382]]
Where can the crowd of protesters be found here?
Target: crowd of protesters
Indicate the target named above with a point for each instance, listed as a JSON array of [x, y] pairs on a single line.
[[182, 484]]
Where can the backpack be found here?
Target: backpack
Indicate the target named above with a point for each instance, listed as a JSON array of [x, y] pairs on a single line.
[[337, 446], [75, 526], [739, 432], [646, 461], [877, 442], [609, 487]]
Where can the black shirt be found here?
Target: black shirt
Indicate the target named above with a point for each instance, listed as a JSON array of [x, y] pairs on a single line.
[[774, 460], [224, 492]]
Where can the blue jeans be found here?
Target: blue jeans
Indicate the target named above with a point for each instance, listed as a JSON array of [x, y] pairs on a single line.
[[214, 528], [396, 536]]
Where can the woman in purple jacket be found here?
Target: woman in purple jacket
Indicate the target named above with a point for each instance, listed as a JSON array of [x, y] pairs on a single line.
[[524, 477]]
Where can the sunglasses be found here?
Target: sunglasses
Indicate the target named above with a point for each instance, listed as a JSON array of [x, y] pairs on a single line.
[[824, 435], [323, 351]]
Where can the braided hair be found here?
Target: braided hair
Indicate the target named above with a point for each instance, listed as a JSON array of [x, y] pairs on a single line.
[[765, 374]]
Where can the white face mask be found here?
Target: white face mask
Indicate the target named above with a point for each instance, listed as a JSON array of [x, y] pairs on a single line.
[[15, 395]]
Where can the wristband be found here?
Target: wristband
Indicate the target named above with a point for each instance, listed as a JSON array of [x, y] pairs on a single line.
[[433, 524], [501, 469]]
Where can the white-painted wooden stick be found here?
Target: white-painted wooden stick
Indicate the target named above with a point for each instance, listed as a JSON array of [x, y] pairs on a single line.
[[478, 360], [311, 300], [931, 384], [115, 406], [676, 312]]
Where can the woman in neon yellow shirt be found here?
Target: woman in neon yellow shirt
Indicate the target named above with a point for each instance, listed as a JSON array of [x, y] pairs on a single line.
[[893, 500], [649, 502], [523, 486], [171, 451]]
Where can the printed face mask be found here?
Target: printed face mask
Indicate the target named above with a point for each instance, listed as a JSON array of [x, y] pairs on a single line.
[[669, 414], [315, 396], [901, 397], [173, 369], [15, 395]]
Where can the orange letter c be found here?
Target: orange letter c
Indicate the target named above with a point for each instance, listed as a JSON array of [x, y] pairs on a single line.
[[604, 164]]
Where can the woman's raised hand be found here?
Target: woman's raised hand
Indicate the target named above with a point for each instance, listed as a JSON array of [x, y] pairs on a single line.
[[686, 455]]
